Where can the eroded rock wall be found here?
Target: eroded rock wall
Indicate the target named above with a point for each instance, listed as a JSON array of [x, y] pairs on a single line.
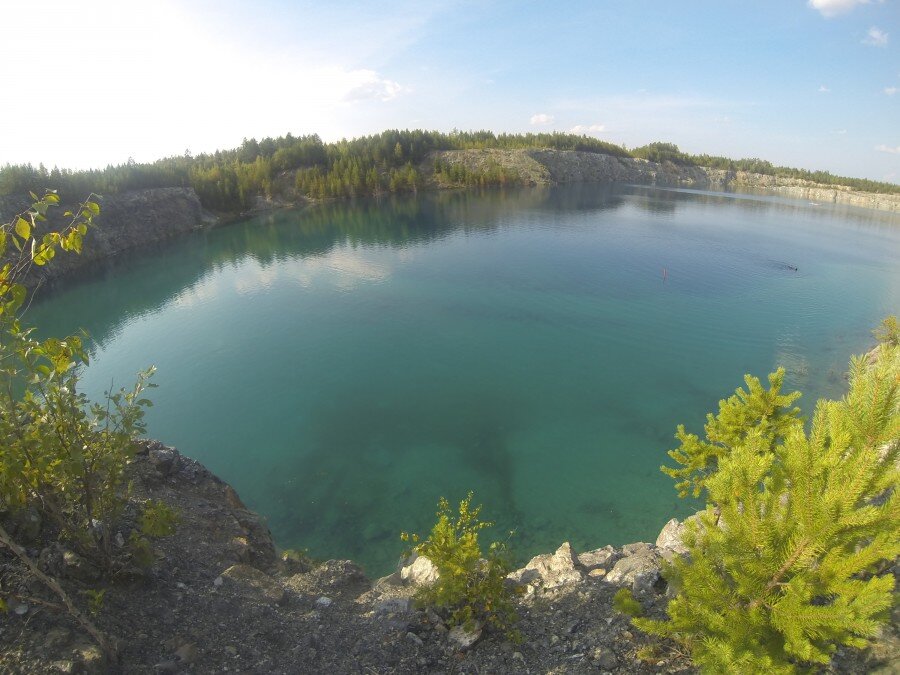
[[127, 221], [546, 167]]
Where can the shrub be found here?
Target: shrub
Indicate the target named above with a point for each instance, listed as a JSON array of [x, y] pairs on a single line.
[[63, 456], [788, 560], [625, 602], [888, 333], [471, 589]]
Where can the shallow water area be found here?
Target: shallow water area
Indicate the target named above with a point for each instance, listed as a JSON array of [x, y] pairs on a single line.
[[345, 365]]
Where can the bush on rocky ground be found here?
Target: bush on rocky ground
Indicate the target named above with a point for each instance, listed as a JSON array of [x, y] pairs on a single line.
[[792, 557], [62, 470], [470, 588]]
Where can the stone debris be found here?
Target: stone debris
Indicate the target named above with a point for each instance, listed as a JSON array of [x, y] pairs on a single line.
[[550, 570], [596, 558], [201, 610], [463, 639], [250, 578]]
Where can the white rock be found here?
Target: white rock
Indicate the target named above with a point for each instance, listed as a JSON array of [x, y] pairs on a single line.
[[324, 601], [596, 558], [422, 572], [644, 562], [670, 537], [218, 581], [463, 639], [555, 570]]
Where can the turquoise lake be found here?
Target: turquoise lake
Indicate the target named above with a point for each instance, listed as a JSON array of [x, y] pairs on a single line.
[[345, 365]]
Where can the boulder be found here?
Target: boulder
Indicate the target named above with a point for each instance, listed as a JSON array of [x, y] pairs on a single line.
[[600, 557], [640, 570], [419, 572], [670, 537], [558, 569]]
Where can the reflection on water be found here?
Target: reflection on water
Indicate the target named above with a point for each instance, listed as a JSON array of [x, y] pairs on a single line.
[[346, 364]]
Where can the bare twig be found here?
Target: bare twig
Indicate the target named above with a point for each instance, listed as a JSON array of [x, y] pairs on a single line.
[[104, 642]]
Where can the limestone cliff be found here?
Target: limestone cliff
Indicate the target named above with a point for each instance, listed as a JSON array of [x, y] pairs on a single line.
[[127, 221], [545, 167]]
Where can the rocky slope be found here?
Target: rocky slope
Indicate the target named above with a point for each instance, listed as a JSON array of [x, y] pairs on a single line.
[[219, 599], [142, 218], [542, 167], [127, 221]]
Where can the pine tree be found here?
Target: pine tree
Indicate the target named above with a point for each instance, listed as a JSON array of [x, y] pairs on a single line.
[[791, 557]]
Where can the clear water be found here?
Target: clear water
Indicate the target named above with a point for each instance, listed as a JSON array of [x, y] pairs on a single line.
[[343, 366]]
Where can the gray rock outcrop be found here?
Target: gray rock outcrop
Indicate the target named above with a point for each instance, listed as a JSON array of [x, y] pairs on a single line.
[[127, 221]]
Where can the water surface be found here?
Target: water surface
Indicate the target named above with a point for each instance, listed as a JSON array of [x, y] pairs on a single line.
[[343, 366]]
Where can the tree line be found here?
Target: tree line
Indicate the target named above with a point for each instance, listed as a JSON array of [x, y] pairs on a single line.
[[660, 152], [393, 161]]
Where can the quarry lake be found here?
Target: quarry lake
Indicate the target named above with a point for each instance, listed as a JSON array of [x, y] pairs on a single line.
[[347, 364]]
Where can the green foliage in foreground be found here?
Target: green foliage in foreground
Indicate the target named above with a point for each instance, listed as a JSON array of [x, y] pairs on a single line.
[[63, 456], [791, 557], [471, 589]]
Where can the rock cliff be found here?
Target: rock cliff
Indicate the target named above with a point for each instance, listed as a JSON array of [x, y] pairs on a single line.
[[140, 218], [543, 167], [127, 221]]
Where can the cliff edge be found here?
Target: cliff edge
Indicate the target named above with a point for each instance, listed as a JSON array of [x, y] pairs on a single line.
[[219, 599]]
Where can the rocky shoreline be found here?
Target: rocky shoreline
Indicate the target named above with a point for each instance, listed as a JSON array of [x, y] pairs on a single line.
[[220, 599], [144, 218], [547, 167]]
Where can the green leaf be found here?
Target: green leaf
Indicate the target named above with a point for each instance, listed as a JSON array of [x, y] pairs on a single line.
[[93, 207], [23, 229], [17, 295]]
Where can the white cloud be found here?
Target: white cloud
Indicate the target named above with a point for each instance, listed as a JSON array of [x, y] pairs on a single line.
[[888, 148], [876, 37], [302, 93], [830, 8], [824, 89], [841, 132], [372, 87], [541, 119], [588, 129], [890, 91]]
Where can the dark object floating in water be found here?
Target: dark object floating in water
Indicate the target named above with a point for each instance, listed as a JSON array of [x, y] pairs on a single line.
[[778, 264]]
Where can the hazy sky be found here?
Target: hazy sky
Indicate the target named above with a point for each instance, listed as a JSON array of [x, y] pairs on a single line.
[[813, 84]]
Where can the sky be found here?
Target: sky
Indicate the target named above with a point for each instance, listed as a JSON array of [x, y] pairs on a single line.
[[813, 84]]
